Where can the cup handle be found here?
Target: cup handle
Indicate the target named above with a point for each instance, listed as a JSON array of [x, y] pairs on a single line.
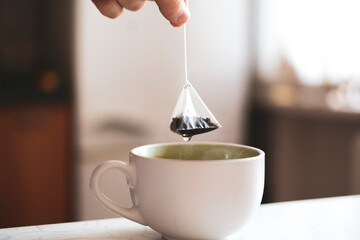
[[129, 170]]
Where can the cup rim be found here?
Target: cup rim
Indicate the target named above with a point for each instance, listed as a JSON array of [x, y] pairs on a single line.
[[253, 158]]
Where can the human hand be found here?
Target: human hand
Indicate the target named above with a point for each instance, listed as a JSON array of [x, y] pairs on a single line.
[[176, 11]]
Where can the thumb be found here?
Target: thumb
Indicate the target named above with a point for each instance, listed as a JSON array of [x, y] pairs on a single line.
[[176, 11]]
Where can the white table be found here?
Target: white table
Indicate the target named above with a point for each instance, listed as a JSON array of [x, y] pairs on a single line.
[[335, 218]]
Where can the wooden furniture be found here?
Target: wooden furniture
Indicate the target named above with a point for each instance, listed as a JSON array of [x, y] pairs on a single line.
[[309, 153], [35, 167], [35, 111]]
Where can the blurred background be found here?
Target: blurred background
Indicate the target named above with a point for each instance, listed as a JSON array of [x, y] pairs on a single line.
[[77, 89]]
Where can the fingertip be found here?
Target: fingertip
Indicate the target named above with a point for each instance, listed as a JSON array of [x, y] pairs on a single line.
[[109, 8], [175, 11], [182, 19], [132, 5], [113, 14]]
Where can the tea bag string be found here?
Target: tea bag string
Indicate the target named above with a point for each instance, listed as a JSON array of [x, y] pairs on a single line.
[[187, 83]]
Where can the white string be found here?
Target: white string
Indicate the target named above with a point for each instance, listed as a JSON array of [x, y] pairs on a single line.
[[185, 56]]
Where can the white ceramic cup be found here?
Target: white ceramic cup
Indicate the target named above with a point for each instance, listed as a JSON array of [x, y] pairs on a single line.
[[189, 190]]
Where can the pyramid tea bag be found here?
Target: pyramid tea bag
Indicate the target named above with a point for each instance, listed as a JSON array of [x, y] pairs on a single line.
[[191, 116]]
